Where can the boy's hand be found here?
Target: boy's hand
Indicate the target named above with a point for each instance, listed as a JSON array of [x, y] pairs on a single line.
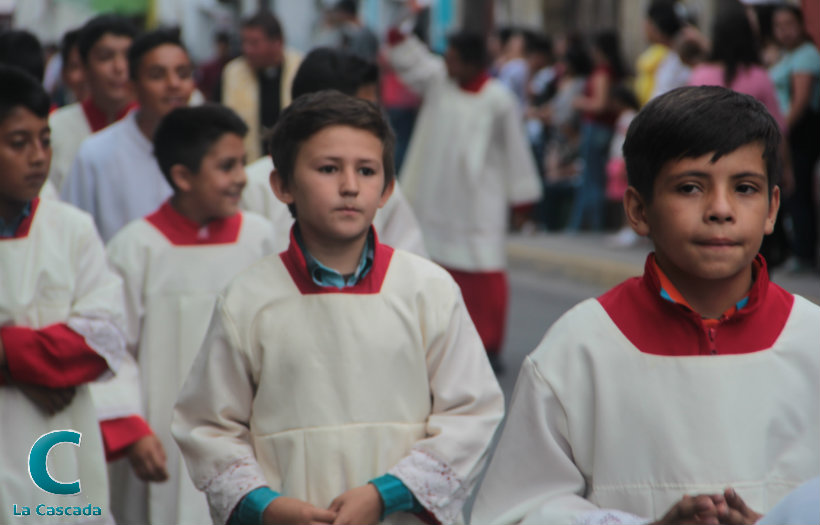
[[49, 400], [359, 506], [292, 511], [701, 509], [147, 457], [738, 513]]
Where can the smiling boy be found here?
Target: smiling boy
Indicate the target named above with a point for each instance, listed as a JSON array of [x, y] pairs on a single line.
[[342, 381], [681, 395], [174, 262], [115, 176]]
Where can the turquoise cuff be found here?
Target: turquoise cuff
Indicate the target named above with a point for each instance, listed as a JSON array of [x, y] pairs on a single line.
[[395, 495], [252, 506]]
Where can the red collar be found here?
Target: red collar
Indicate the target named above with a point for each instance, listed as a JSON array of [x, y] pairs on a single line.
[[182, 231], [25, 225], [475, 85], [657, 326], [294, 261], [97, 119]]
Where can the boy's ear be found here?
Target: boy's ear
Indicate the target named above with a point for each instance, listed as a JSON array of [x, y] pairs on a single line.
[[280, 189], [387, 192], [182, 177], [774, 205], [636, 211]]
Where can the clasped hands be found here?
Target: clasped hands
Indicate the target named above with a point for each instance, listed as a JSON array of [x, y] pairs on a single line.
[[361, 505], [710, 509]]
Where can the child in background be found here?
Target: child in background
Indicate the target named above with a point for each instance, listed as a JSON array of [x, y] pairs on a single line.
[[341, 381], [174, 263], [698, 376], [61, 311], [625, 104]]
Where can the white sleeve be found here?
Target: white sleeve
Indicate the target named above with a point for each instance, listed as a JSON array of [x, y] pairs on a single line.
[[523, 181], [97, 309], [441, 470], [397, 225], [416, 66], [127, 258], [532, 477], [212, 417], [79, 188]]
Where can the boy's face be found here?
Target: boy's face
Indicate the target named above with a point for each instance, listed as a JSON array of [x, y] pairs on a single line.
[[164, 80], [337, 184], [216, 188], [106, 69], [25, 156], [707, 220]]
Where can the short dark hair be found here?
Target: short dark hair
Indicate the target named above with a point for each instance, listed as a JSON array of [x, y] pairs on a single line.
[[470, 47], [662, 13], [98, 27], [692, 121], [147, 42], [313, 112], [22, 49], [69, 41], [185, 135], [327, 68], [19, 89], [267, 22]]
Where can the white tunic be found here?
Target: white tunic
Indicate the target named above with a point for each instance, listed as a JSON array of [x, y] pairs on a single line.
[[69, 128], [115, 177], [57, 274], [317, 393], [584, 442], [395, 223], [170, 294], [467, 161]]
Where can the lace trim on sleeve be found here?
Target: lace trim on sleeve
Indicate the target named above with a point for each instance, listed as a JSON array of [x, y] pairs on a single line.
[[226, 490], [433, 483], [104, 337]]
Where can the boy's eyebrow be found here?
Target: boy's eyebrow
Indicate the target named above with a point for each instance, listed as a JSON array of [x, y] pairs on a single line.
[[340, 159], [704, 175]]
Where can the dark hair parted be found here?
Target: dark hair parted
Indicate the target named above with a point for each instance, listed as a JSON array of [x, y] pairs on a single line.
[[146, 43], [470, 47], [185, 135], [327, 68], [733, 40], [311, 113], [267, 22], [98, 27], [19, 89], [689, 122]]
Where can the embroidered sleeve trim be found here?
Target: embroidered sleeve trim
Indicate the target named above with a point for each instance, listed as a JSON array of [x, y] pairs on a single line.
[[103, 337], [226, 490], [434, 484], [609, 517]]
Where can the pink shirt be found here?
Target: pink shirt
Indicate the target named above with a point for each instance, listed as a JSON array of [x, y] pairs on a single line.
[[753, 80]]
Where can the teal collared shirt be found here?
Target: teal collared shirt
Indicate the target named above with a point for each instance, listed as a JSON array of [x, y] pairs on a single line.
[[9, 229], [328, 277]]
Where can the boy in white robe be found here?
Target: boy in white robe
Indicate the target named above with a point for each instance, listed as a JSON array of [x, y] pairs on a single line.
[[326, 68], [174, 262], [341, 380], [115, 177], [468, 161], [693, 387], [102, 45], [61, 310]]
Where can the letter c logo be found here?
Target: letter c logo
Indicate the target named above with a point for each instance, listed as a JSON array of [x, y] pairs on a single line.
[[38, 469]]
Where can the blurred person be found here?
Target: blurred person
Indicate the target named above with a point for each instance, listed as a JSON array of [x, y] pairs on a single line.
[[257, 84], [102, 45], [322, 69], [346, 31], [796, 78], [467, 163], [596, 131], [72, 74], [659, 68], [540, 88], [115, 176], [209, 74], [514, 71], [625, 104]]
